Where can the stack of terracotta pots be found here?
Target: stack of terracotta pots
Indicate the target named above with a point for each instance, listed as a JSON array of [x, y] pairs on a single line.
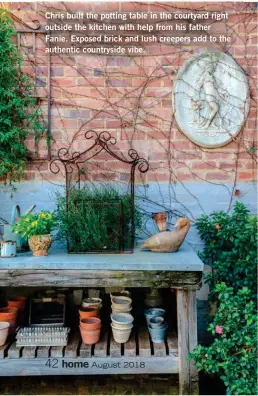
[[122, 324], [90, 323], [90, 329], [9, 315], [12, 315]]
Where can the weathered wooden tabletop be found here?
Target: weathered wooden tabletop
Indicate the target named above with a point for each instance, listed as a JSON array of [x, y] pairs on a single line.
[[139, 269]]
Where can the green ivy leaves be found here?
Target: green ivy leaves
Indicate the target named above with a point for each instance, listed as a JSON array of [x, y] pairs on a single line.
[[18, 115]]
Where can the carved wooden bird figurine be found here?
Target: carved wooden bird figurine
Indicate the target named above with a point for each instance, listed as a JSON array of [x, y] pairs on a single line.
[[168, 241]]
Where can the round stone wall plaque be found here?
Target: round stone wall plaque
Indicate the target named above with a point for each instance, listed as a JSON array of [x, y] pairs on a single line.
[[211, 99]]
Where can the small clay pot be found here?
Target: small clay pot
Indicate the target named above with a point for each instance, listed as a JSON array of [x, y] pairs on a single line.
[[88, 313], [156, 321], [9, 315], [121, 303], [121, 335], [21, 298], [92, 302], [122, 320], [90, 323], [39, 244], [15, 303], [4, 330], [19, 302], [90, 337], [160, 219]]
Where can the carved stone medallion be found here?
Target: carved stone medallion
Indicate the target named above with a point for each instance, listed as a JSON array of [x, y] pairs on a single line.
[[211, 99]]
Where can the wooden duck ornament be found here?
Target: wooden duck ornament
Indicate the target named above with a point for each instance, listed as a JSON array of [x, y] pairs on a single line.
[[168, 241]]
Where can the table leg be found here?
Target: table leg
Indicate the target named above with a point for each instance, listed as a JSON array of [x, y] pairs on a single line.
[[187, 340]]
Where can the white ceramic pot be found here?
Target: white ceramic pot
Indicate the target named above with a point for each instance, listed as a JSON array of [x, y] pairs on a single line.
[[122, 310], [8, 248], [92, 302], [4, 330], [121, 303], [121, 335], [122, 320]]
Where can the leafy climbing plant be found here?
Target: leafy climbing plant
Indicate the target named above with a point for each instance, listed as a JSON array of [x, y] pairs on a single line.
[[231, 249], [233, 353], [18, 113]]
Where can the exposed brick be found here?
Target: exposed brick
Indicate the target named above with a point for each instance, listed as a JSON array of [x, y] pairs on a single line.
[[133, 135], [246, 176], [64, 123], [56, 71], [220, 176], [203, 165], [104, 7], [98, 92], [228, 165]]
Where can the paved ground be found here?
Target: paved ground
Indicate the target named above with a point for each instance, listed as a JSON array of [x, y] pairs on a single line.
[[102, 385]]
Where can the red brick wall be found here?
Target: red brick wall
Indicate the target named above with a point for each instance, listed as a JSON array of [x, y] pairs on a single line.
[[131, 97]]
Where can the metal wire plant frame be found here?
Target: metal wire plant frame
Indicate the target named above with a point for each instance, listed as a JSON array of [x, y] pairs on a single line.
[[100, 167]]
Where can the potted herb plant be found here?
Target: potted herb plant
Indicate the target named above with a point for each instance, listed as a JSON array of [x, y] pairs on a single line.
[[98, 219], [37, 228]]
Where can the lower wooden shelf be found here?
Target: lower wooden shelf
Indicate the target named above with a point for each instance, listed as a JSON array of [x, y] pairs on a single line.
[[138, 356]]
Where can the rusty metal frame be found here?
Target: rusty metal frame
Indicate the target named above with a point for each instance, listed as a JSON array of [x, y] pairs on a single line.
[[103, 141]]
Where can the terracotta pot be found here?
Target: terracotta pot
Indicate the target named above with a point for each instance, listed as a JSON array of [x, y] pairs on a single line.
[[21, 298], [88, 313], [20, 303], [9, 315], [122, 320], [90, 337], [121, 335], [90, 323], [160, 220], [4, 330], [40, 244], [16, 304]]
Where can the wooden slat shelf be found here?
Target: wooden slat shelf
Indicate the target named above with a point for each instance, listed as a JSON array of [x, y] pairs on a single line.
[[181, 271], [138, 355]]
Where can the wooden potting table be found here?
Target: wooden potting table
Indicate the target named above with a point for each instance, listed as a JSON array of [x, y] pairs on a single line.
[[181, 271]]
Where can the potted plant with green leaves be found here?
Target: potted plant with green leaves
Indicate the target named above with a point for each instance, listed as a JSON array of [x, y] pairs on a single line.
[[37, 228]]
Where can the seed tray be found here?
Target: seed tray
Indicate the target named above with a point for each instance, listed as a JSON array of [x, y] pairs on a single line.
[[42, 336]]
